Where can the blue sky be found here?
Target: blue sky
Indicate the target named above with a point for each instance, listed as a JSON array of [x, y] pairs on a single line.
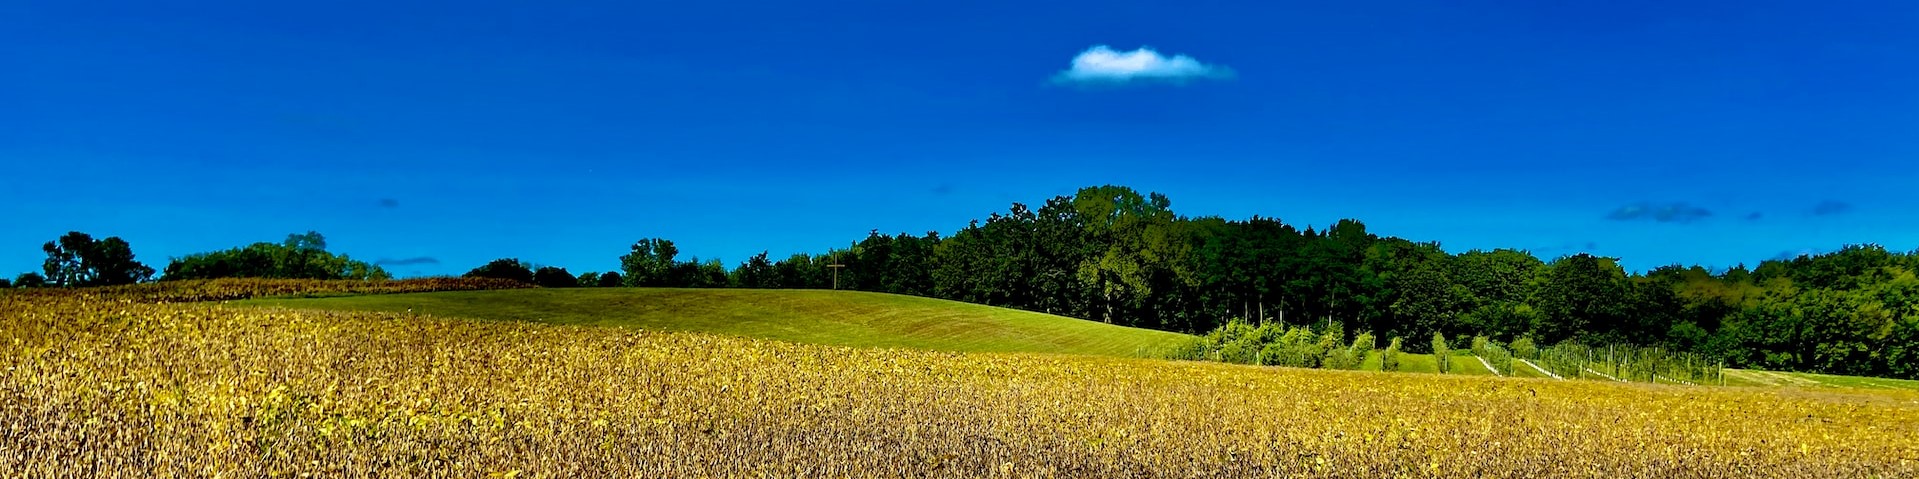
[[1661, 132]]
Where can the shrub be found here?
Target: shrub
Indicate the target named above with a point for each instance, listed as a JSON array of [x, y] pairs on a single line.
[[1442, 355]]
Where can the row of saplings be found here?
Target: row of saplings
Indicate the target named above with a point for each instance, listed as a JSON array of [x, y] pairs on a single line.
[[1277, 344]]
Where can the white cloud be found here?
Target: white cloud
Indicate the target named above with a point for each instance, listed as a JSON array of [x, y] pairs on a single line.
[[1104, 65]]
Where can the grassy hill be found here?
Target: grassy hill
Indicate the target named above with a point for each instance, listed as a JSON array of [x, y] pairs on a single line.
[[1752, 377], [845, 318], [849, 318]]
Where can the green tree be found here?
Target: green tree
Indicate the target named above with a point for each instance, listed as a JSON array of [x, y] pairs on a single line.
[[302, 256], [1503, 319], [78, 260], [552, 277], [29, 280], [1389, 359], [504, 268], [1134, 238], [588, 280], [610, 279], [803, 271], [1582, 294], [1497, 276], [650, 263], [709, 274], [755, 272]]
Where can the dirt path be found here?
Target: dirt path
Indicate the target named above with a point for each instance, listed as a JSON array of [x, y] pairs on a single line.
[[1489, 366]]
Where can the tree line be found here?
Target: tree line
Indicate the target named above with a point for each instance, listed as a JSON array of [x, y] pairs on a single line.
[[77, 260], [1112, 254]]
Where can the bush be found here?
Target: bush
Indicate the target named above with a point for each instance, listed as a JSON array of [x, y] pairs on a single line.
[[610, 279], [1389, 359], [1442, 354]]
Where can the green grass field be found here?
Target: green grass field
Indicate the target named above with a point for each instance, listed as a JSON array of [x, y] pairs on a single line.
[[1521, 370], [1748, 377], [1465, 364], [1408, 363], [843, 318]]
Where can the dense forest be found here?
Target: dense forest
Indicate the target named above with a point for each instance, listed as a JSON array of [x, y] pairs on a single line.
[[1111, 254]]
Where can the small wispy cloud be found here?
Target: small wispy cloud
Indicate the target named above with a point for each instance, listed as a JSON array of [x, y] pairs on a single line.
[[1102, 65], [1660, 212], [1566, 248], [1831, 207], [406, 261], [1790, 255]]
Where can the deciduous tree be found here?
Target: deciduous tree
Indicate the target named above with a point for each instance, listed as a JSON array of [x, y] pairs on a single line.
[[78, 260]]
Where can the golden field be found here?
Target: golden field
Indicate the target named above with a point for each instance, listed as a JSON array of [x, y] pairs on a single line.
[[93, 387]]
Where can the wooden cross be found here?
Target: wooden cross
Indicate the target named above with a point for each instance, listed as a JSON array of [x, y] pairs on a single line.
[[836, 274]]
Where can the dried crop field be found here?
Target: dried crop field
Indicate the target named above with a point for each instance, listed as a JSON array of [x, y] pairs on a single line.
[[115, 388]]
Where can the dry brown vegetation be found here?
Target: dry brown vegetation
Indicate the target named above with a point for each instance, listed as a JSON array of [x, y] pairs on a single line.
[[199, 290], [116, 388]]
